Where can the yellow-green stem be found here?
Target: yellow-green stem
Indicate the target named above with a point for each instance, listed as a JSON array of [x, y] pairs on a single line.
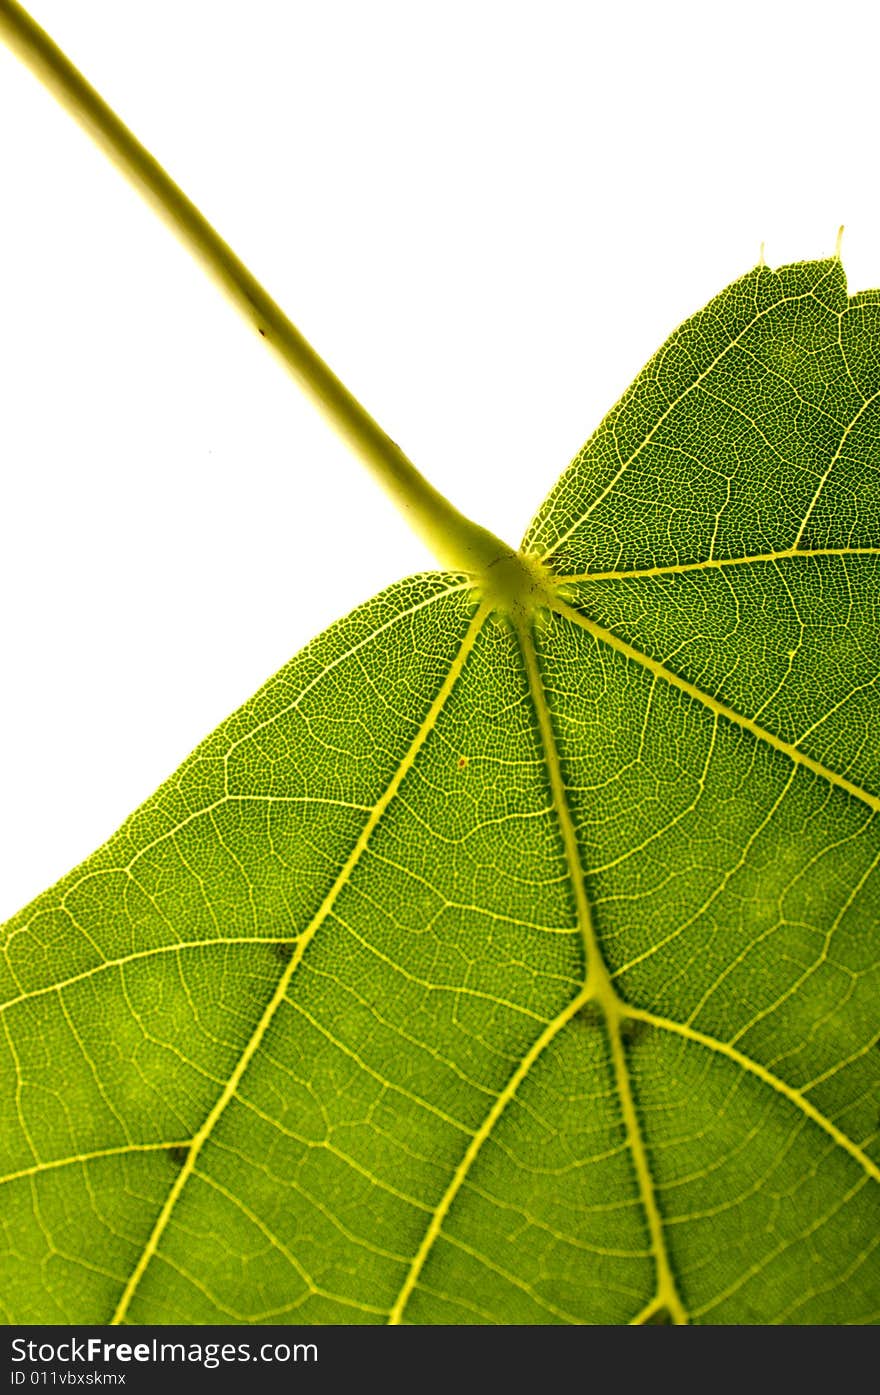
[[455, 540]]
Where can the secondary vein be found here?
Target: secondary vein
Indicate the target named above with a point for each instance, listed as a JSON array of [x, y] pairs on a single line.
[[789, 1092], [721, 709], [715, 564], [441, 1211], [256, 1038]]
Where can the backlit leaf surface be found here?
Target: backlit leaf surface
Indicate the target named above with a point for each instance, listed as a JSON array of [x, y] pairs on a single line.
[[508, 966]]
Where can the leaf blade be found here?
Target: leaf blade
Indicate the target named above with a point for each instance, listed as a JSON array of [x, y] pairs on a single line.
[[529, 968]]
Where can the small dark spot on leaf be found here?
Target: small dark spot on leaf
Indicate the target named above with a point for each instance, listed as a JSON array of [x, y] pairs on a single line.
[[590, 1015], [284, 951], [660, 1318], [462, 762], [178, 1153], [632, 1029], [262, 332]]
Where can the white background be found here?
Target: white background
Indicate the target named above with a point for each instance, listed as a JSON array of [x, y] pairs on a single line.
[[486, 215]]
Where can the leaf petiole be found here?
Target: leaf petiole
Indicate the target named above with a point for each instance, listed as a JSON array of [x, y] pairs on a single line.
[[455, 540]]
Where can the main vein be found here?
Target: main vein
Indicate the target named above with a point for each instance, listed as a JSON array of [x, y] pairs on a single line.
[[599, 988], [259, 1032]]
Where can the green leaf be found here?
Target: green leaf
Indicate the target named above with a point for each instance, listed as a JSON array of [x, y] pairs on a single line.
[[512, 955]]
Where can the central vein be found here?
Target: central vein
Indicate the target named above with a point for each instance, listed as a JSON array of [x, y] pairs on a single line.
[[599, 988]]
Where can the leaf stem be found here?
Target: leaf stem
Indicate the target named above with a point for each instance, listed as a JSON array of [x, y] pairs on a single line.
[[455, 540]]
